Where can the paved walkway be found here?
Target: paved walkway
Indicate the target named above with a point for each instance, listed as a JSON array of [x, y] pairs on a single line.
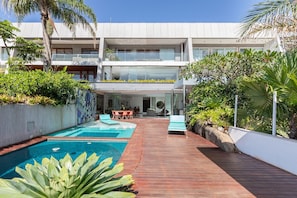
[[188, 166]]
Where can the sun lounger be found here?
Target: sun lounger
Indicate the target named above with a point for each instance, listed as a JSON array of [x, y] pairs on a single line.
[[105, 118], [177, 124]]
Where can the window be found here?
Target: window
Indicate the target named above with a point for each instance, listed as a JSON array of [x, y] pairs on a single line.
[[4, 54], [223, 51], [152, 54], [247, 48], [140, 55], [200, 53], [121, 54], [89, 51], [142, 73], [167, 54], [76, 74], [83, 75], [62, 51]]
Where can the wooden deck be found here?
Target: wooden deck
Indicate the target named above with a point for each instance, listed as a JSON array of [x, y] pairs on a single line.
[[189, 166]]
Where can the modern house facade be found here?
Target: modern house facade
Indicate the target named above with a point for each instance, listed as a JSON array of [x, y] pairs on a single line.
[[137, 65]]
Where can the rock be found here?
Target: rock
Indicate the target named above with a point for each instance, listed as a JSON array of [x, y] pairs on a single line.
[[219, 138]]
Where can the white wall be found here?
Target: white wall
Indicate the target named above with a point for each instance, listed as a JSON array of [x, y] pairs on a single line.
[[278, 151], [20, 122]]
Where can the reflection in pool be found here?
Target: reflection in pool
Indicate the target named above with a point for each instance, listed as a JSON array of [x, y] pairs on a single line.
[[98, 130]]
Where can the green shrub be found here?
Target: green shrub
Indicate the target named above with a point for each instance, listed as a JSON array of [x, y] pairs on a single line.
[[210, 104], [43, 100], [6, 99], [44, 87], [81, 178], [218, 116]]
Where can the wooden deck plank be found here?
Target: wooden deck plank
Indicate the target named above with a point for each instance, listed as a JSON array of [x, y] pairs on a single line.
[[167, 165], [188, 166]]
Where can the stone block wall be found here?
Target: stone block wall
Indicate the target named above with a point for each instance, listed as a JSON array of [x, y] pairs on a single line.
[[219, 138]]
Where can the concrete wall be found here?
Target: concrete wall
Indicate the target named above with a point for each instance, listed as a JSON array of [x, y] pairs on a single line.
[[20, 122], [274, 150]]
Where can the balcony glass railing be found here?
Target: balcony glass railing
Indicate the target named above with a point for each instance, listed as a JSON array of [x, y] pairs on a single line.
[[78, 59], [140, 73], [4, 57], [143, 56], [200, 53]]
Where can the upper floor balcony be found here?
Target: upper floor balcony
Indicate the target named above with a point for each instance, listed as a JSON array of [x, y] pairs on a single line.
[[76, 59], [144, 55]]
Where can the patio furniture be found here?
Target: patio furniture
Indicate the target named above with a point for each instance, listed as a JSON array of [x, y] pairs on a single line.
[[116, 115], [125, 115], [177, 124], [151, 112], [129, 114], [122, 114], [105, 118]]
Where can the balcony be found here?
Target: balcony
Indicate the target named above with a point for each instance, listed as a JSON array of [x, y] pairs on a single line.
[[4, 57], [76, 59], [143, 56], [122, 73]]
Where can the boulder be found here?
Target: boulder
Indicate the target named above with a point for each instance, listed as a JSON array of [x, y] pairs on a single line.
[[216, 136]]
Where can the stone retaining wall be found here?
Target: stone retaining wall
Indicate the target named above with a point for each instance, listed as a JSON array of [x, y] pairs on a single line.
[[219, 138]]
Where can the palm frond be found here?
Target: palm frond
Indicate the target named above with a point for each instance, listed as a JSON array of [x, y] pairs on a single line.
[[266, 15]]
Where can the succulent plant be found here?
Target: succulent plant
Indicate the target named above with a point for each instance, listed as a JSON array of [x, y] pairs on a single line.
[[83, 177]]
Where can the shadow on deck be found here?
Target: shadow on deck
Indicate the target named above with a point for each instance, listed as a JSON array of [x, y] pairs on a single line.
[[168, 165]]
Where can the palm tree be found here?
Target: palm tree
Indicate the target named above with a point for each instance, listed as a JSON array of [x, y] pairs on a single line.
[[70, 12], [280, 76], [275, 16]]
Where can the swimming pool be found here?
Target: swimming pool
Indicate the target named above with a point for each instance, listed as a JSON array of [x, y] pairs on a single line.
[[58, 149], [98, 130]]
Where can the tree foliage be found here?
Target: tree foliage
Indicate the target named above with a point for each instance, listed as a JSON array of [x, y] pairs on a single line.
[[70, 12], [273, 18], [26, 51], [230, 67], [281, 77], [7, 33], [219, 79], [58, 86]]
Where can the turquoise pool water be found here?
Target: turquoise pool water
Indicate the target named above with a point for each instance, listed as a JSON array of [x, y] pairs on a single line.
[[58, 149], [98, 130]]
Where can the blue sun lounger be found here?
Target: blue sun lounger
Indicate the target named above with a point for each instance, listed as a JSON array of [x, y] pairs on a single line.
[[177, 124], [105, 118]]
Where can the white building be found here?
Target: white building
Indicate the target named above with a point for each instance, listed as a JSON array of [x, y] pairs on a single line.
[[138, 64]]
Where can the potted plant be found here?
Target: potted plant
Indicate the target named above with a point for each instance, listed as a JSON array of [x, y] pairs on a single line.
[[110, 54]]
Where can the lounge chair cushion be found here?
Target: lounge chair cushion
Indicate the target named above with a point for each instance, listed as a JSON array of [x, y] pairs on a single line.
[[177, 123], [105, 118]]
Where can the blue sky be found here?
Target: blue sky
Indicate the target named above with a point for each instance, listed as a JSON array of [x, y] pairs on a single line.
[[162, 10]]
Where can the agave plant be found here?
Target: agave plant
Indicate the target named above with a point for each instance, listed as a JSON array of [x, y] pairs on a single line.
[[83, 177]]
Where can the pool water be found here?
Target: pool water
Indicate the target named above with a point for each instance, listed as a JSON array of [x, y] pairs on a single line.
[[58, 149], [98, 130]]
